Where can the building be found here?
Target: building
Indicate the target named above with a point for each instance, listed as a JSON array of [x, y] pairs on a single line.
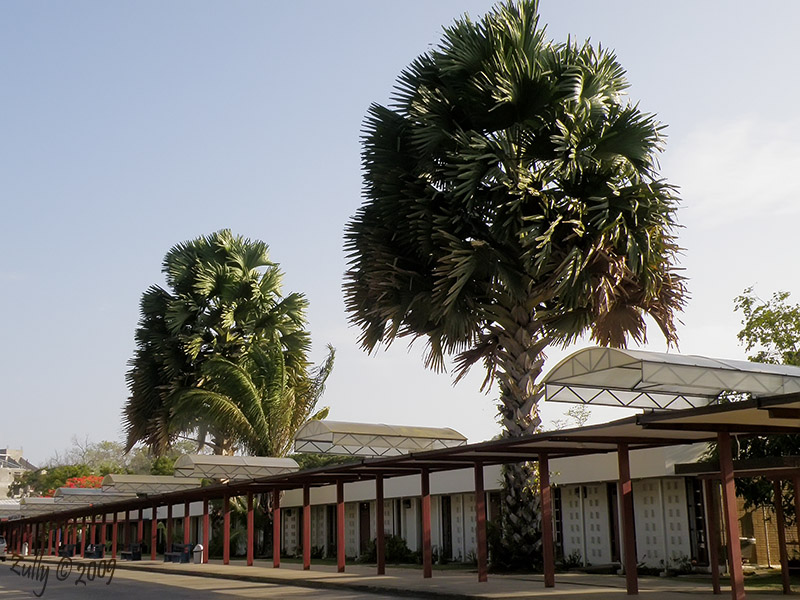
[[11, 464]]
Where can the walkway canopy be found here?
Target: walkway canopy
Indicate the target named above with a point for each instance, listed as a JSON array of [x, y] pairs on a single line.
[[368, 439], [657, 380], [148, 484], [89, 495], [232, 467]]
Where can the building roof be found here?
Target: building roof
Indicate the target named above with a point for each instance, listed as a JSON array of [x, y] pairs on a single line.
[[232, 467], [639, 379], [148, 484], [372, 439], [90, 495]]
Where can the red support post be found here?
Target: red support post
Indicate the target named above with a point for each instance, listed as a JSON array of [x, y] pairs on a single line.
[[126, 526], [187, 523], [59, 529], [731, 516], [93, 534], [306, 527], [75, 531], [380, 539], [796, 484], [226, 531], [103, 524], [548, 553], [778, 503], [153, 531], [628, 534], [340, 543], [276, 529], [168, 543], [206, 525], [114, 533], [83, 537], [427, 552], [250, 529], [480, 524], [140, 527], [50, 541]]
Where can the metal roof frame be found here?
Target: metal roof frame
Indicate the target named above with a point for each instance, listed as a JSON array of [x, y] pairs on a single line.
[[232, 467], [657, 380]]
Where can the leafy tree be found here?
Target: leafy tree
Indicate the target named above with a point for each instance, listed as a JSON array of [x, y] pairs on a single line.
[[770, 329], [223, 299], [256, 401], [43, 482], [512, 202]]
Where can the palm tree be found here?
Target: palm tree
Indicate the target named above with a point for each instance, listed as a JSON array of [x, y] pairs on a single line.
[[256, 401], [512, 201], [223, 298]]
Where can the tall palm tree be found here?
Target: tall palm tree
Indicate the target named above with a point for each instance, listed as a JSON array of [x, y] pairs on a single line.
[[512, 201], [223, 297]]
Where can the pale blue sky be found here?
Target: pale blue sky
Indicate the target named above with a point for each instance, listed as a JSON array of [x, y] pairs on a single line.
[[126, 127]]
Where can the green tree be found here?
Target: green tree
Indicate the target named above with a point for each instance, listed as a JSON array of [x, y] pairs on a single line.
[[43, 481], [256, 401], [223, 298], [771, 332], [512, 202]]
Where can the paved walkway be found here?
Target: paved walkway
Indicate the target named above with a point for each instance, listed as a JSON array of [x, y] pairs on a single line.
[[456, 584]]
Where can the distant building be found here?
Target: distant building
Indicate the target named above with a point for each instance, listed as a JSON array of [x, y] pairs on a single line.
[[11, 464]]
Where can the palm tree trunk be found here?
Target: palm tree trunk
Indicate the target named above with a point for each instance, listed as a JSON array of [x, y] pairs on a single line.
[[520, 363]]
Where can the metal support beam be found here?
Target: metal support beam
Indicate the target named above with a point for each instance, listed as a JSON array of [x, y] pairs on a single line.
[[170, 531], [250, 530], [380, 532], [480, 524], [628, 534], [114, 531], [731, 516], [226, 530], [187, 523], [140, 527], [712, 519], [153, 532], [427, 553], [340, 526], [548, 553], [276, 529], [306, 527], [206, 525], [781, 526], [126, 526], [83, 537]]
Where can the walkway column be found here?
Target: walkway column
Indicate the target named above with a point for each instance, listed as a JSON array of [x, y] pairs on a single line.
[[168, 545], [114, 528], [380, 540], [340, 526], [628, 535], [187, 524], [306, 527], [75, 531], [103, 524], [206, 525], [427, 554], [778, 495], [126, 529], [83, 537], [548, 555], [226, 531], [796, 483], [250, 529], [480, 524], [59, 530], [731, 516], [276, 528], [713, 532], [140, 527], [50, 540], [93, 534], [153, 532]]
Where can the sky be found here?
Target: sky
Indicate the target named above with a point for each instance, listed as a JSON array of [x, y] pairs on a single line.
[[127, 127]]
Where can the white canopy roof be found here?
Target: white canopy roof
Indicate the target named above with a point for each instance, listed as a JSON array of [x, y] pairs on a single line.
[[90, 495], [368, 439], [148, 484], [232, 467], [640, 379]]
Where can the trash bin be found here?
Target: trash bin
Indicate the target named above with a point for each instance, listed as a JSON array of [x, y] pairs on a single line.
[[24, 548], [198, 554]]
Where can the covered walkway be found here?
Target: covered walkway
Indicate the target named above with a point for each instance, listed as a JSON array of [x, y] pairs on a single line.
[[762, 416]]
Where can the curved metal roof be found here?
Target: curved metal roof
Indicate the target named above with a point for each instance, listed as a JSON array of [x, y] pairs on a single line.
[[90, 495], [232, 467], [369, 439], [148, 484], [641, 379]]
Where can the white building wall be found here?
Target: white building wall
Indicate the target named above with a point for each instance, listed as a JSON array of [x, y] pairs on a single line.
[[572, 520], [596, 522], [318, 526], [662, 521], [291, 538], [351, 529]]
